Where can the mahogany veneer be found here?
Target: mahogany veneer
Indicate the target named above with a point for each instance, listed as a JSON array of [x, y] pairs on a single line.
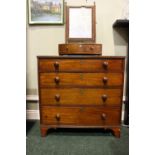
[[80, 92], [77, 48]]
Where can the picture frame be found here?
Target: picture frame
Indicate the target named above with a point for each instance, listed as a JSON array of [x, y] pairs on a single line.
[[85, 29], [46, 12]]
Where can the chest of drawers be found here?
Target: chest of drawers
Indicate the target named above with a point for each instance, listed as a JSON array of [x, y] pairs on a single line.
[[80, 92]]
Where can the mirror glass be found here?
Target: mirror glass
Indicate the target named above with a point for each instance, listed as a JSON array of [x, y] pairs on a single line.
[[80, 25]]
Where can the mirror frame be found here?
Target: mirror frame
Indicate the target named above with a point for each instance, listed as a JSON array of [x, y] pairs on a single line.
[[85, 40]]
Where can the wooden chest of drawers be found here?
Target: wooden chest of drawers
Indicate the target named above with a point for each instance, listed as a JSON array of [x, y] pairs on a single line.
[[80, 92]]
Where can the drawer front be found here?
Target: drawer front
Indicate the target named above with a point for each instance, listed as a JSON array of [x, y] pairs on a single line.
[[80, 116], [80, 49], [81, 65], [80, 79], [75, 96]]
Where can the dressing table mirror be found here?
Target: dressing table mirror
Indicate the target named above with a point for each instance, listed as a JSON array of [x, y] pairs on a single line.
[[80, 24], [80, 34]]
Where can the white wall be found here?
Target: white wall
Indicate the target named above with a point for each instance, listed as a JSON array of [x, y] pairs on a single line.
[[44, 39]]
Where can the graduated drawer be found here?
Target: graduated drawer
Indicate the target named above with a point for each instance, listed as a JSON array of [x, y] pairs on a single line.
[[80, 116], [81, 65], [80, 79], [76, 96]]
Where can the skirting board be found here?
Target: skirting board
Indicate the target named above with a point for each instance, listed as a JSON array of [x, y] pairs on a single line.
[[32, 97], [32, 115]]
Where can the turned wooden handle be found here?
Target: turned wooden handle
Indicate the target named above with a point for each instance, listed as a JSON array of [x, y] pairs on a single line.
[[57, 80], [91, 48], [105, 80], [104, 97], [57, 97], [57, 117], [105, 65], [103, 116], [56, 65]]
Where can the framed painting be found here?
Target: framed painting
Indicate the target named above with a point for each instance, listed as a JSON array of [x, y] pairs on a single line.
[[46, 11]]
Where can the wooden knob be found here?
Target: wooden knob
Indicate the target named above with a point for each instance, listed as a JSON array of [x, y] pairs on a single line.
[[105, 65], [56, 65], [91, 48], [57, 97], [105, 80], [57, 117], [57, 80], [103, 116], [104, 97]]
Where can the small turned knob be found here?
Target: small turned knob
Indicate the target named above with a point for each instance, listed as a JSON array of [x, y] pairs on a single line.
[[105, 65], [103, 116], [91, 48], [105, 80], [56, 65], [57, 80], [57, 117], [104, 97], [57, 97]]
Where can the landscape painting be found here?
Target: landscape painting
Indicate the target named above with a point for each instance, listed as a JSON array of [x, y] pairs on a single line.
[[46, 11]]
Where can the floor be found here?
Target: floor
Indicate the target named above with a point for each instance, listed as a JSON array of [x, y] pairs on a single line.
[[75, 141]]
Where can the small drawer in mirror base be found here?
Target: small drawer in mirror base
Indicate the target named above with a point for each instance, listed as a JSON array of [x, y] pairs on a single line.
[[77, 48]]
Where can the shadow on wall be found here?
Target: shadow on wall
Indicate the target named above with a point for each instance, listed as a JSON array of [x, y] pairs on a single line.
[[121, 39]]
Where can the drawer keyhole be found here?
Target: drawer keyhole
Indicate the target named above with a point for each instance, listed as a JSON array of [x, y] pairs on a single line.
[[81, 62], [81, 76], [81, 109]]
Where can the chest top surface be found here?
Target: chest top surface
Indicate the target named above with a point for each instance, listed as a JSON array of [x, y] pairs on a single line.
[[80, 57]]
